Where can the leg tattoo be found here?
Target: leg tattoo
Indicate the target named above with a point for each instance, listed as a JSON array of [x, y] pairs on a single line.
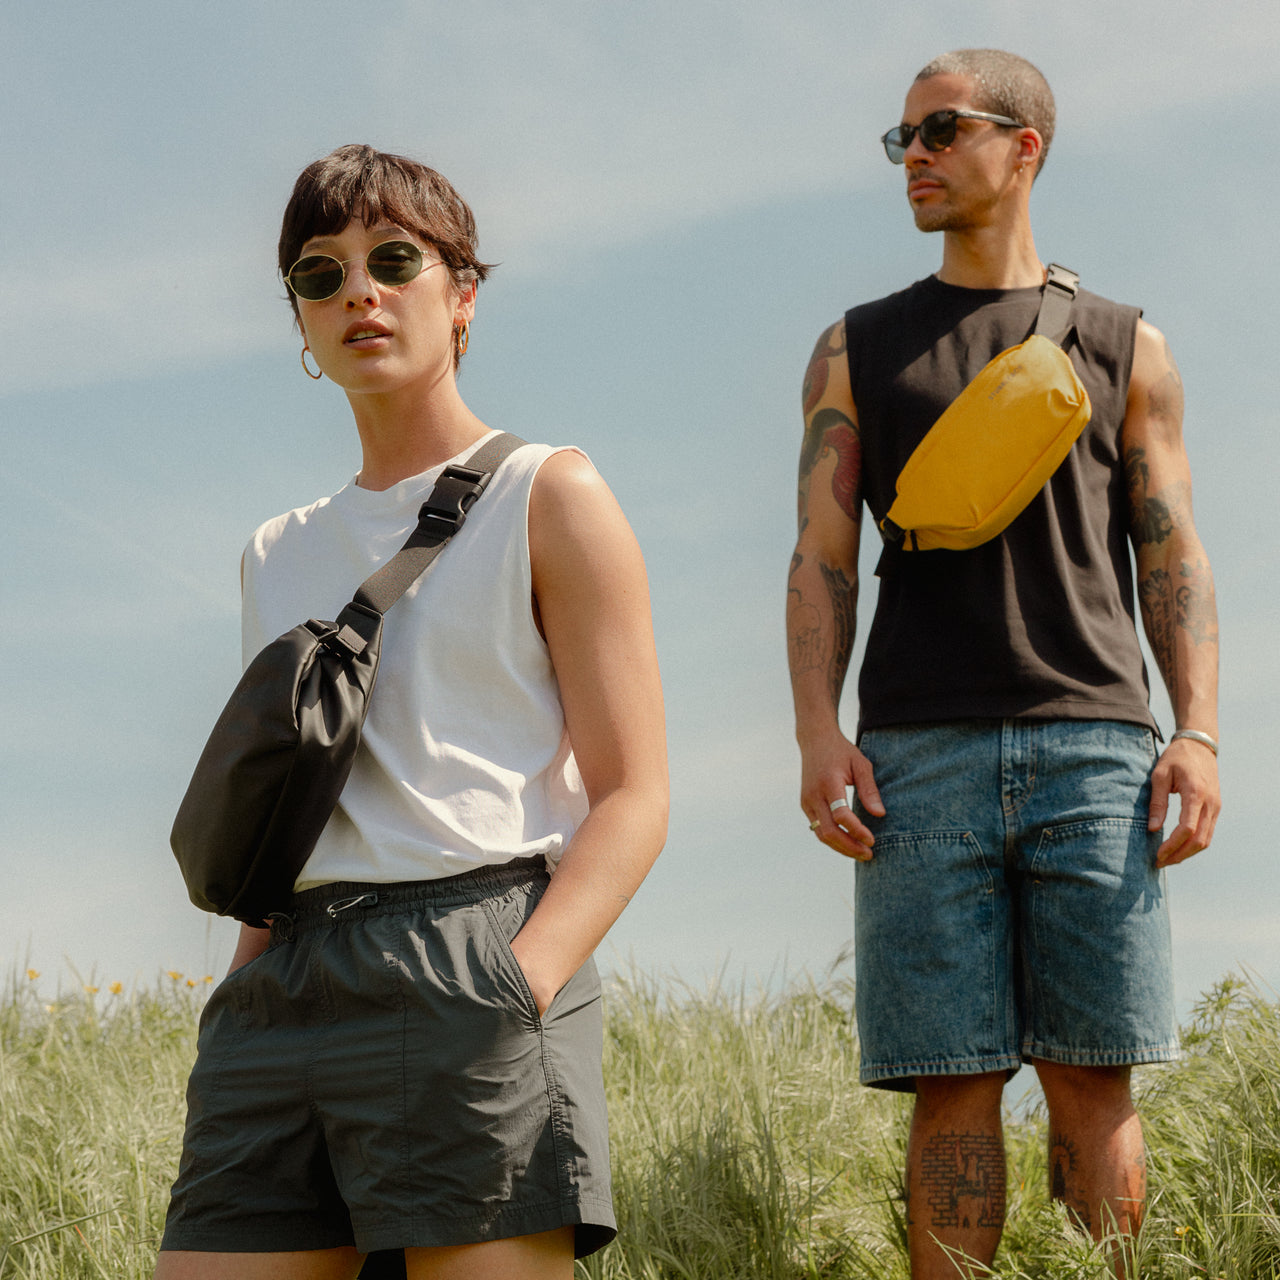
[[962, 1175]]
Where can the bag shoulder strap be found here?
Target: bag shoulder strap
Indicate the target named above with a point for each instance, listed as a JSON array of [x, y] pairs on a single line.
[[1053, 320], [439, 518]]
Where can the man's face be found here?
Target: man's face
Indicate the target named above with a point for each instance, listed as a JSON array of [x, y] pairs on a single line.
[[964, 186]]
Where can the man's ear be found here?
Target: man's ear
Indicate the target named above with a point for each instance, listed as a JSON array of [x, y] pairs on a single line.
[[1030, 147]]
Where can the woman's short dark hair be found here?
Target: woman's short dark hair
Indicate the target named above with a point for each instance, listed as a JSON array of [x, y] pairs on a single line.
[[357, 181], [1005, 85]]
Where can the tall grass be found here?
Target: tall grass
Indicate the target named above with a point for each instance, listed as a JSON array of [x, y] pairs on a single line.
[[91, 1105], [743, 1145]]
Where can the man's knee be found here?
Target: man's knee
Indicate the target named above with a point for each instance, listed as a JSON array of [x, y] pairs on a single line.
[[968, 1094], [1095, 1089]]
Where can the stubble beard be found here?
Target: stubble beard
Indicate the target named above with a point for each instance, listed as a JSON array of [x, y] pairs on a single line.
[[935, 218], [968, 214]]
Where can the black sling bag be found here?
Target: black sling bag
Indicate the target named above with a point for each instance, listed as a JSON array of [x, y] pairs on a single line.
[[281, 751]]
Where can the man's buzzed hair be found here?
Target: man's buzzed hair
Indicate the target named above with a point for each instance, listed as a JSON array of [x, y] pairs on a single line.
[[1005, 85]]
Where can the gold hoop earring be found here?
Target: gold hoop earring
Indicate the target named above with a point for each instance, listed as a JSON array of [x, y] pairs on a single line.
[[315, 377], [462, 338]]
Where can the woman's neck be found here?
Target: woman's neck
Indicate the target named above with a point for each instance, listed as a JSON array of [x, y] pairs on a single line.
[[405, 435]]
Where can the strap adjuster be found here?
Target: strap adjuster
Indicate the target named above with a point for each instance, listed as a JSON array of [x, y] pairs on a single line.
[[891, 532], [445, 511]]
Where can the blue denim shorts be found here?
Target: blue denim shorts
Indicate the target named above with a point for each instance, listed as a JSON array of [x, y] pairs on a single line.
[[1013, 909]]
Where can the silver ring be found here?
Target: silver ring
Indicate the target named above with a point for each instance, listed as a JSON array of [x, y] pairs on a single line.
[[814, 825], [842, 803]]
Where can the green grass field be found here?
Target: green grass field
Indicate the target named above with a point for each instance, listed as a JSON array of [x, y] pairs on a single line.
[[743, 1145]]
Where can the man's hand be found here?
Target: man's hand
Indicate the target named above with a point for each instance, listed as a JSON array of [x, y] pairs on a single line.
[[1190, 770], [826, 775]]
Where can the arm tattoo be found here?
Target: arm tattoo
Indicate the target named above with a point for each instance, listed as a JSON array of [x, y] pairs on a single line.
[[1197, 611], [1154, 516], [1150, 522], [844, 608], [1173, 607], [806, 645], [829, 430], [962, 1175], [806, 648], [1182, 608], [1165, 399], [815, 382], [1155, 594], [813, 644], [830, 346]]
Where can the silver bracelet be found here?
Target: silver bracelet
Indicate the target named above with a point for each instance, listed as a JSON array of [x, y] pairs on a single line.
[[1196, 736]]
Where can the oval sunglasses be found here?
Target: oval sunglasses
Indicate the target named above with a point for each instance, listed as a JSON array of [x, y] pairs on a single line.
[[937, 131], [320, 275]]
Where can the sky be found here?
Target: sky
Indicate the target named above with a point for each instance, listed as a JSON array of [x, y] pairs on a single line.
[[681, 197]]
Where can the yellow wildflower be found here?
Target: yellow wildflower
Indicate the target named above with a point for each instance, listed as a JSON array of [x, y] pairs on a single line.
[[33, 974], [191, 982], [116, 988], [174, 974], [208, 979], [93, 991]]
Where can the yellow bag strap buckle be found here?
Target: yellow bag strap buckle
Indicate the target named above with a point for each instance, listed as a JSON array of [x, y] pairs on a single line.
[[1053, 320]]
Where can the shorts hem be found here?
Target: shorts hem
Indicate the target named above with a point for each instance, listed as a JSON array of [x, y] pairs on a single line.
[[899, 1075], [236, 1238], [1144, 1055], [593, 1224]]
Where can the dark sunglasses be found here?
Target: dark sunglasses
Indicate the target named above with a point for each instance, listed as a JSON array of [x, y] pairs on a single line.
[[319, 276], [937, 131]]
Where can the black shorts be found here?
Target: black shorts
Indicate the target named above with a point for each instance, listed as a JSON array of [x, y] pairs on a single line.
[[380, 1077]]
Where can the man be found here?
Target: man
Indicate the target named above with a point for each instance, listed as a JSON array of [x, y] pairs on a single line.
[[1007, 799]]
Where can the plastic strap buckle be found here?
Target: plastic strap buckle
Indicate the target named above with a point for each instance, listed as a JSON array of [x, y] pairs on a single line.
[[445, 511], [1053, 320]]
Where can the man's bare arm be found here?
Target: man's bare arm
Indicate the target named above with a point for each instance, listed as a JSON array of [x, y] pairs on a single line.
[[822, 593], [1175, 591]]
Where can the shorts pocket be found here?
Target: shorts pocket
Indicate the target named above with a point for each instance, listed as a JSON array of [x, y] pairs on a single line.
[[931, 951], [1098, 948], [506, 916]]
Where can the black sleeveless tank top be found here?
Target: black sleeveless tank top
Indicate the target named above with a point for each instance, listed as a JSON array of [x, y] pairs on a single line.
[[1038, 622]]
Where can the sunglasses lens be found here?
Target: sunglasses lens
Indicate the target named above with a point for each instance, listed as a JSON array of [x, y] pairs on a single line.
[[938, 131], [896, 143], [395, 263], [316, 277]]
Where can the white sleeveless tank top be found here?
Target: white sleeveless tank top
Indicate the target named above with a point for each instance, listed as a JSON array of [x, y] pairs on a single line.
[[465, 760]]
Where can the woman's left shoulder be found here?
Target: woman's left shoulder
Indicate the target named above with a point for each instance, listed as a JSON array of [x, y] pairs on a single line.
[[563, 471], [567, 481], [572, 510]]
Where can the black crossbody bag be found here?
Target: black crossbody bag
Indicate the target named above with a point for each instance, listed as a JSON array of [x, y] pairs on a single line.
[[281, 751]]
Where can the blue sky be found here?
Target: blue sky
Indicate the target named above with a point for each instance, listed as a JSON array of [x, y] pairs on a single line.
[[681, 197]]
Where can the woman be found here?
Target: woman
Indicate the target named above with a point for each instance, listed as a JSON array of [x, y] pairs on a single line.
[[411, 1057]]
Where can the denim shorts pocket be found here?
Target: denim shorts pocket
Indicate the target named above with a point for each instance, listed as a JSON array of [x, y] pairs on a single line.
[[1099, 956], [932, 954]]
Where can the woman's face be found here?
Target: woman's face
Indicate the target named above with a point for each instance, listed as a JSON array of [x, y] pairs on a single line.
[[371, 337]]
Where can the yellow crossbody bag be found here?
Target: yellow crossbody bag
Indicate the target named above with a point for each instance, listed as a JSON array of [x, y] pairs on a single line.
[[998, 442]]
